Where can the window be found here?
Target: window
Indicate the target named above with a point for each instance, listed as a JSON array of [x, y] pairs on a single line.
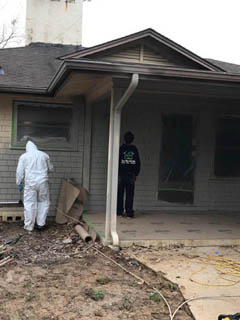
[[227, 146], [50, 125]]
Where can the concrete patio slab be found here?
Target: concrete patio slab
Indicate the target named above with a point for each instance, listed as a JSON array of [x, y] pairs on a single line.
[[178, 265], [178, 228]]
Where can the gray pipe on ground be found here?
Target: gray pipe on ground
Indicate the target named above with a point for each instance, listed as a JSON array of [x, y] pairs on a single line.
[[83, 233]]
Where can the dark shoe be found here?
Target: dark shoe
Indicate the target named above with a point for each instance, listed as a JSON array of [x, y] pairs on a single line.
[[130, 214], [40, 228]]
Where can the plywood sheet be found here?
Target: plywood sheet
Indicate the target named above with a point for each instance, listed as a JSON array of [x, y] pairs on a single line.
[[68, 195]]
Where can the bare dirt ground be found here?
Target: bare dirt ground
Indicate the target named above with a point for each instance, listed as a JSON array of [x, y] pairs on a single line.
[[55, 275]]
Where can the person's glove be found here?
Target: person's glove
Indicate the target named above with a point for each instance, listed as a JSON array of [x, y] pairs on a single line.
[[20, 187]]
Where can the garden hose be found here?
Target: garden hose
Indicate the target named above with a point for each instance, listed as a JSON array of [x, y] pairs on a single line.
[[223, 266]]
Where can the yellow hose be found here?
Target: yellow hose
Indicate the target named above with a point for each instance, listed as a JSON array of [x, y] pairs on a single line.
[[223, 267]]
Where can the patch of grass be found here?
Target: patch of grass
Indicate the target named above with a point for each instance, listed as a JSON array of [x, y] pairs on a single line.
[[127, 304], [98, 295], [172, 286], [155, 297], [27, 284]]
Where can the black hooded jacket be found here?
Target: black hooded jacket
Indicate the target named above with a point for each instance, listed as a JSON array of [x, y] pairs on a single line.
[[129, 161]]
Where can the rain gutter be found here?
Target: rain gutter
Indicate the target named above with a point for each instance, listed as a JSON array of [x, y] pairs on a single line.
[[112, 184]]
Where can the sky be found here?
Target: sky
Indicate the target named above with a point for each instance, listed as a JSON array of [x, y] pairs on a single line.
[[208, 28]]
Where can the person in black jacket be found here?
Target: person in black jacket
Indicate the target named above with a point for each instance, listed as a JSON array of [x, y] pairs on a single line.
[[129, 168]]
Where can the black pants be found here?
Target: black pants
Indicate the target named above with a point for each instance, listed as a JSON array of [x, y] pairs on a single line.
[[126, 184]]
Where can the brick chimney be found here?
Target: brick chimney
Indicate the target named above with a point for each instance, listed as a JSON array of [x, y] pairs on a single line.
[[54, 21]]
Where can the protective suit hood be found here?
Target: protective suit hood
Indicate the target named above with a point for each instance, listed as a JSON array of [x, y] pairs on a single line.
[[33, 166], [30, 146]]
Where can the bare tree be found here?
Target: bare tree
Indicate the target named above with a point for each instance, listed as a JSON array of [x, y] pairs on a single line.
[[9, 34]]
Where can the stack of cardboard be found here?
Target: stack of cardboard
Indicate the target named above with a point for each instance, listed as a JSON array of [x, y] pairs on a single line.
[[71, 202]]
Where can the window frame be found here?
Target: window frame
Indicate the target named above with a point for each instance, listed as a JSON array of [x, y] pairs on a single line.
[[61, 146]]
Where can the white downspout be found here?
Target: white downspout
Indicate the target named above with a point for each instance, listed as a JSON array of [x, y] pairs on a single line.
[[113, 156], [131, 88]]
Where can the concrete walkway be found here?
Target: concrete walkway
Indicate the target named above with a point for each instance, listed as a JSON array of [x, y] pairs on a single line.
[[178, 228], [178, 265]]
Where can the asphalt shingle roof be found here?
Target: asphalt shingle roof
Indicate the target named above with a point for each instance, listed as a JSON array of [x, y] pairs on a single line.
[[228, 67], [32, 66]]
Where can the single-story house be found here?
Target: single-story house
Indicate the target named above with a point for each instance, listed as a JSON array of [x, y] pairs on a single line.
[[76, 103]]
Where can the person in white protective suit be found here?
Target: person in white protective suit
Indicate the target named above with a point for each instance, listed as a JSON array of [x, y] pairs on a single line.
[[33, 168]]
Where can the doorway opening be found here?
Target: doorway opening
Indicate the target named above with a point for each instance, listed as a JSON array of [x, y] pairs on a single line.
[[177, 159]]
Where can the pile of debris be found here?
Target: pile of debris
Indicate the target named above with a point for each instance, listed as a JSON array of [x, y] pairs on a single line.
[[56, 244], [65, 238], [5, 256]]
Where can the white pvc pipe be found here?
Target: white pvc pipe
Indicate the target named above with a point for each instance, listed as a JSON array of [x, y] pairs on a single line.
[[83, 233]]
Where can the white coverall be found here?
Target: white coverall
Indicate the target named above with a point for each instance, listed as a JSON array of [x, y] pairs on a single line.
[[33, 167]]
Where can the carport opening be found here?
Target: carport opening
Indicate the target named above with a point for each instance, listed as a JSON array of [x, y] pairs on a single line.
[[177, 161]]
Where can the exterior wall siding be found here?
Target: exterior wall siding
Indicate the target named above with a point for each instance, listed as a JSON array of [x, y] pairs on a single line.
[[210, 194], [146, 55], [99, 157], [67, 164]]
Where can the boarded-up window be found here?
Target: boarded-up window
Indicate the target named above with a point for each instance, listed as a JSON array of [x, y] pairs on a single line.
[[49, 125], [227, 146]]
